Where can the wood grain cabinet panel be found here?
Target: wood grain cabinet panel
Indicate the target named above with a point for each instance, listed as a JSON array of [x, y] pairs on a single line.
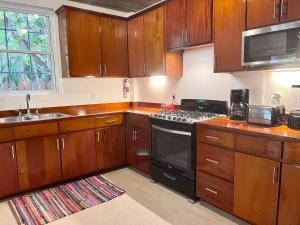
[[199, 22], [291, 152], [175, 24], [83, 43], [105, 121], [289, 204], [262, 13], [39, 162], [290, 10], [136, 47], [6, 134], [76, 124], [78, 153], [256, 189], [110, 147], [114, 47], [36, 130], [9, 183], [229, 23]]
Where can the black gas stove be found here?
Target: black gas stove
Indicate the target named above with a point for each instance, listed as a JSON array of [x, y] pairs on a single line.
[[173, 138]]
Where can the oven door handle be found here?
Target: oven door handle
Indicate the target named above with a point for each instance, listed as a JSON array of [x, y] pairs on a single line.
[[172, 131]]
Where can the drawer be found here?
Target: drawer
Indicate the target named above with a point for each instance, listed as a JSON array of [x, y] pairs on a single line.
[[291, 152], [6, 134], [76, 124], [215, 161], [110, 120], [36, 130], [215, 191], [215, 137], [137, 120], [259, 146]]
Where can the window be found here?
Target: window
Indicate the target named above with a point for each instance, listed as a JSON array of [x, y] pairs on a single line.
[[25, 52]]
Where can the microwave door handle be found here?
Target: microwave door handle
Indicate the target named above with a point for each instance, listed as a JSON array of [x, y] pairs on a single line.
[[172, 131]]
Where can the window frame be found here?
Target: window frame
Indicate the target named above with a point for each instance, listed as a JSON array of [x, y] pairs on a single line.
[[50, 14]]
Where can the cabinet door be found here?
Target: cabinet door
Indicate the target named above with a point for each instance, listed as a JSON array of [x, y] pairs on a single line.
[[290, 10], [154, 42], [262, 13], [230, 16], [114, 47], [39, 162], [199, 22], [256, 188], [136, 47], [175, 22], [289, 205], [112, 145], [83, 44], [8, 170], [78, 153]]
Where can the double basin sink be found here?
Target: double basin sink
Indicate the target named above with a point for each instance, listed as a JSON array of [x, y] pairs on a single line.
[[32, 117]]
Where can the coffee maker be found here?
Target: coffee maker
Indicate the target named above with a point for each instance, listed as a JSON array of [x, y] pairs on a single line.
[[239, 104]]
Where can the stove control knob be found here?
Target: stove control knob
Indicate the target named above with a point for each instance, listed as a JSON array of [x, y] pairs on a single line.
[[174, 118], [178, 119]]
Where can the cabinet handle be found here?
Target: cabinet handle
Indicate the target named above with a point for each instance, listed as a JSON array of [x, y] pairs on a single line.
[[135, 137], [144, 68], [213, 138], [186, 37], [284, 4], [98, 136], [275, 10], [212, 161], [100, 67], [211, 191], [63, 143], [275, 174], [104, 68], [13, 151], [57, 144], [182, 37]]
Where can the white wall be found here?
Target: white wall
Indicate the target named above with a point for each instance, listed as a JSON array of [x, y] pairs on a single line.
[[71, 91], [199, 81]]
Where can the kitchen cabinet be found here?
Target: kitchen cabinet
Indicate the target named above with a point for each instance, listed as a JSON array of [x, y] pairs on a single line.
[[188, 23], [229, 23], [80, 43], [8, 169], [136, 46], [256, 189], [290, 10], [39, 162], [289, 204], [78, 153], [138, 142], [110, 147], [157, 61], [114, 47]]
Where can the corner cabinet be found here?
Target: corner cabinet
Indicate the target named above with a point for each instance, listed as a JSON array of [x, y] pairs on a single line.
[[229, 23], [91, 42], [147, 43]]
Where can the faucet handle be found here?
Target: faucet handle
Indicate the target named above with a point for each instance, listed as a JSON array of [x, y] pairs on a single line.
[[37, 111], [19, 111]]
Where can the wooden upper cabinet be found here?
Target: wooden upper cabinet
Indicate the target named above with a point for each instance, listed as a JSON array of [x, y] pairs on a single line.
[[78, 153], [154, 42], [198, 22], [229, 23], [289, 205], [136, 47], [175, 23], [290, 10], [114, 47], [8, 170], [39, 162], [262, 13], [80, 43], [256, 189]]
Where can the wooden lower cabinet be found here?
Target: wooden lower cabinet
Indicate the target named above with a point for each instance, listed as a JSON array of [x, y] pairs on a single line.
[[289, 204], [8, 170], [110, 147], [78, 153], [39, 162], [256, 189]]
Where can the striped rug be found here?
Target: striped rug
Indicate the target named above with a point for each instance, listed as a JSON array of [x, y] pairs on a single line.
[[52, 204]]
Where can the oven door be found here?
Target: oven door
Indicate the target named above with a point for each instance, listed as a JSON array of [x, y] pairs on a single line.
[[173, 148]]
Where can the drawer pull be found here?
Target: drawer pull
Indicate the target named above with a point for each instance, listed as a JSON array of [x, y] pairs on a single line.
[[212, 161], [211, 191], [110, 121], [213, 138]]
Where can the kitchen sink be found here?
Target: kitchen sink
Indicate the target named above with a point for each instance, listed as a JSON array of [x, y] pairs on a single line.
[[32, 117]]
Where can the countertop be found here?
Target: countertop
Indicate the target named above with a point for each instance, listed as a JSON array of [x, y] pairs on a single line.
[[281, 132]]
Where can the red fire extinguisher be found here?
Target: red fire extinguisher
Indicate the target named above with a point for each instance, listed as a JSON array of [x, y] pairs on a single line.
[[126, 88]]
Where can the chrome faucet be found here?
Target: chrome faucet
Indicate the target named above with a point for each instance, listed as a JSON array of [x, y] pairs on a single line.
[[27, 102]]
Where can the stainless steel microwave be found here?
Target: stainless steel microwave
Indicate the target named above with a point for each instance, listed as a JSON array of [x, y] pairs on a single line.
[[278, 44]]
